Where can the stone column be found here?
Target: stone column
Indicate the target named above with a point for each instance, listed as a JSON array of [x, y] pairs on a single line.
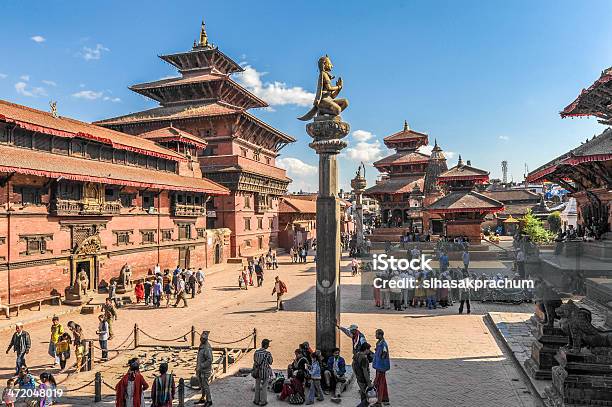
[[359, 184], [327, 133]]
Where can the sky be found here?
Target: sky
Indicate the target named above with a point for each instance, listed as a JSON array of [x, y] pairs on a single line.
[[486, 79]]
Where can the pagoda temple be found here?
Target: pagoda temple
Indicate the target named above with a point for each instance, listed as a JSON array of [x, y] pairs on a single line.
[[205, 106], [586, 171], [408, 183], [462, 208]]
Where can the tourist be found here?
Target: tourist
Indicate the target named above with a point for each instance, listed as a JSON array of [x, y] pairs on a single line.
[[167, 281], [299, 363], [262, 370], [444, 263], [274, 261], [46, 389], [251, 269], [103, 336], [314, 371], [27, 383], [466, 259], [381, 364], [268, 261], [443, 291], [200, 279], [110, 315], [335, 373], [395, 292], [9, 394], [20, 343], [62, 349], [147, 291], [163, 389], [193, 281], [204, 369], [157, 292], [304, 254], [464, 293], [112, 292], [77, 341], [180, 292], [280, 288], [356, 336], [293, 389], [56, 331], [259, 273], [243, 279], [295, 254], [385, 292], [419, 292], [139, 292], [292, 254], [129, 391], [361, 369], [368, 245], [431, 291], [157, 270], [404, 275]]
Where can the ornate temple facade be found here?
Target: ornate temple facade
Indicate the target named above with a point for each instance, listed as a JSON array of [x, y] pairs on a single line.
[[297, 222], [408, 183], [78, 197], [462, 208], [205, 102], [586, 171]]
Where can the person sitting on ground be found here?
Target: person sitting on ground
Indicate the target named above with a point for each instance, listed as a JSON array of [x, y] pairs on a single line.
[[298, 365], [335, 375], [314, 371], [293, 388]]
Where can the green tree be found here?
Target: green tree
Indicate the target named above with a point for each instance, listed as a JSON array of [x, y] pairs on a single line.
[[554, 222], [534, 228]]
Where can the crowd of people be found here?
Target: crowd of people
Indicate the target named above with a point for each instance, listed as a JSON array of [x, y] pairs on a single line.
[[176, 285], [299, 253], [311, 376]]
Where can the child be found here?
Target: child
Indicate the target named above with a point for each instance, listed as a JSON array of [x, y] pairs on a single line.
[[315, 378], [62, 349], [8, 396], [46, 389]]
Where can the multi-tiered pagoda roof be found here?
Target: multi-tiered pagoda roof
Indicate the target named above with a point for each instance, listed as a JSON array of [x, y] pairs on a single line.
[[594, 101]]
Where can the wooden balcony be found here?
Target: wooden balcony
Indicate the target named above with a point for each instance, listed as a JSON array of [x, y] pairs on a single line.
[[64, 207], [187, 210]]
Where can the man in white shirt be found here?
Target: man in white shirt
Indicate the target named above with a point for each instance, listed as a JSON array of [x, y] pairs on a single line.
[[157, 270], [200, 279], [180, 292]]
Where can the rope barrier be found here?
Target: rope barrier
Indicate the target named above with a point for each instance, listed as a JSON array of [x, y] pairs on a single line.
[[79, 388], [227, 343], [164, 340], [108, 385], [116, 349]]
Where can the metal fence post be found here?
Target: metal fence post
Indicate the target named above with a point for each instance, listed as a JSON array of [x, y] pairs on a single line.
[[193, 335], [225, 360], [136, 336], [90, 355], [254, 338], [98, 387], [181, 392]]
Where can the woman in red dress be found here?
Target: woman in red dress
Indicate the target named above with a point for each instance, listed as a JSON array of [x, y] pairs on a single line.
[[139, 291]]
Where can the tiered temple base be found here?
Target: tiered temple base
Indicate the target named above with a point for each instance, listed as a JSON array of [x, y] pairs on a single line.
[[581, 379], [547, 342]]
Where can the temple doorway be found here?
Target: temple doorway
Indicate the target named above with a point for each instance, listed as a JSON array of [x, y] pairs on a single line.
[[87, 264], [184, 257], [218, 254], [437, 226]]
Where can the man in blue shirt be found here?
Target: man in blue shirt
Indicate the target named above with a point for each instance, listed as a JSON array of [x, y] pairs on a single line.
[[381, 364], [335, 373]]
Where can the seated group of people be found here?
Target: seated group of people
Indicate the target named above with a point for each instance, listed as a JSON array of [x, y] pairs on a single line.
[[309, 369]]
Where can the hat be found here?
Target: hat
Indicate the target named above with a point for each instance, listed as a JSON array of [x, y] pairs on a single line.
[[353, 327], [265, 342]]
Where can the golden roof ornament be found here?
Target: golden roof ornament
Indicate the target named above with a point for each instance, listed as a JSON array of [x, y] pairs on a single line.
[[406, 128], [326, 102], [203, 37], [53, 106]]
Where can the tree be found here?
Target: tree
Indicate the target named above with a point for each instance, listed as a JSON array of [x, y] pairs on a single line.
[[534, 228], [554, 222]]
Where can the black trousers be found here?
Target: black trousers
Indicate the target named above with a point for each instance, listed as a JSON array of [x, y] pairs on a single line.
[[467, 302]]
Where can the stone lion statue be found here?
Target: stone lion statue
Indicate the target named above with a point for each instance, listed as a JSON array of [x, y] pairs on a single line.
[[576, 323], [125, 276]]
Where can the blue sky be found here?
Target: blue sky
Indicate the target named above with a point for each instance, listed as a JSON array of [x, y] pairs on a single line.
[[485, 78]]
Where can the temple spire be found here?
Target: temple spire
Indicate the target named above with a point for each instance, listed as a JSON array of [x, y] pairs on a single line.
[[460, 163], [203, 41], [406, 128]]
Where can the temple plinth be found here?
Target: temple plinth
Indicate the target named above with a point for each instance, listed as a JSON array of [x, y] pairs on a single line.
[[327, 134]]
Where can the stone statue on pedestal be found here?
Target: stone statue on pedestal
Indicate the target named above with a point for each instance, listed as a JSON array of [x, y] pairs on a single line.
[[76, 294], [325, 102], [124, 282]]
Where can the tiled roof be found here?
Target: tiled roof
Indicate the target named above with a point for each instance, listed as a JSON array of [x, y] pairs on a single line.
[[460, 201], [173, 134], [37, 120], [463, 171], [590, 103], [193, 59], [290, 204], [174, 112], [406, 134], [513, 195], [400, 185], [403, 157], [25, 161]]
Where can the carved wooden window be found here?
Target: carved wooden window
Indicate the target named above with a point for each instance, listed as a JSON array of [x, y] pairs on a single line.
[[42, 142], [106, 154], [256, 156], [271, 223], [61, 145], [210, 150], [35, 244], [243, 151], [259, 223], [151, 162], [4, 133], [141, 160], [247, 201], [111, 194], [127, 200], [247, 243], [184, 231], [148, 201], [123, 237], [93, 151], [77, 147], [30, 195], [69, 190], [148, 236], [119, 156], [166, 235], [201, 232], [247, 223], [260, 243], [22, 138]]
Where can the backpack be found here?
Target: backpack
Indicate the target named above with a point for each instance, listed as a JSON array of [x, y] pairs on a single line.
[[277, 383]]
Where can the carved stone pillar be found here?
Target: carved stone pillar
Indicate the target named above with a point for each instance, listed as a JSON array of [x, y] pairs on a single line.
[[327, 133]]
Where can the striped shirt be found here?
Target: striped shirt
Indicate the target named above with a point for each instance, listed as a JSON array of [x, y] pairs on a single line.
[[262, 361]]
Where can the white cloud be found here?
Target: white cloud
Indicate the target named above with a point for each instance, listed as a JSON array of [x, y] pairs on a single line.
[[25, 77], [111, 99], [449, 154], [274, 93], [425, 149], [50, 83], [362, 135], [87, 94], [38, 38], [505, 138], [303, 175], [32, 91], [367, 152], [3, 76], [93, 53]]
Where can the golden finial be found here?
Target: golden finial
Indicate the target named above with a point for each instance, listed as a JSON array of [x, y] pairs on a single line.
[[406, 128], [203, 36], [460, 163], [53, 106]]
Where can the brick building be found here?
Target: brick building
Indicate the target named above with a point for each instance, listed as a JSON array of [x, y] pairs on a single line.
[[297, 222], [77, 196], [241, 152]]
